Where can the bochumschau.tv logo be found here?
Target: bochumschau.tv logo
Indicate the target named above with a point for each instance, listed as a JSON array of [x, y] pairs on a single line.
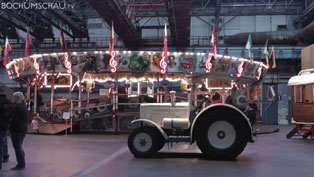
[[36, 5]]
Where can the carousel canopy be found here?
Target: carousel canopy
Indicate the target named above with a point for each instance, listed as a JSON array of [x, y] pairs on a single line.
[[221, 66]]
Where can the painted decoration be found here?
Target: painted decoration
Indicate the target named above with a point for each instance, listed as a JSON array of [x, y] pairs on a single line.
[[137, 61], [173, 64], [23, 67]]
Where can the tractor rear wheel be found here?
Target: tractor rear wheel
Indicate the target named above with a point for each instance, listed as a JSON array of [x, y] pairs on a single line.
[[222, 137]]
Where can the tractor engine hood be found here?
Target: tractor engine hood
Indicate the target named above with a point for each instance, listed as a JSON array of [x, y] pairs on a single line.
[[158, 111]]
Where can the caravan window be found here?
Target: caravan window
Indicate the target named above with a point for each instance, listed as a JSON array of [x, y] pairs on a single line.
[[298, 94], [304, 94]]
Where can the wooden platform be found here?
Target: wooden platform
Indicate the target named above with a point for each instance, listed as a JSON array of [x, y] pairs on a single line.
[[51, 129]]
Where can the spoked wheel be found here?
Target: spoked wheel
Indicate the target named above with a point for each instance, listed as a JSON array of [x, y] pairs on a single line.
[[145, 141], [133, 102], [221, 137], [101, 108], [87, 114]]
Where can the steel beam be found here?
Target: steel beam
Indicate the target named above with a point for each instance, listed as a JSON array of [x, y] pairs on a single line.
[[110, 10], [77, 31]]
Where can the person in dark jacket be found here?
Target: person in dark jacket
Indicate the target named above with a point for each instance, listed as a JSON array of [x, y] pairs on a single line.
[[4, 124], [18, 128]]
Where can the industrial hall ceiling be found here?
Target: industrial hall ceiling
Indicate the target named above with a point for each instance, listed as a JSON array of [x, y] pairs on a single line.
[[131, 16]]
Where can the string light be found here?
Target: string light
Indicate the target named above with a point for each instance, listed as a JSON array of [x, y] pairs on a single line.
[[208, 64], [67, 63], [260, 70], [240, 68], [113, 63], [58, 86], [16, 69]]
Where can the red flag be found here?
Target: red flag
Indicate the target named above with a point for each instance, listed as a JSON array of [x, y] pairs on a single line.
[[27, 44], [62, 42], [163, 63], [111, 39], [6, 51], [213, 42], [28, 39], [67, 63], [272, 57], [212, 54], [113, 63]]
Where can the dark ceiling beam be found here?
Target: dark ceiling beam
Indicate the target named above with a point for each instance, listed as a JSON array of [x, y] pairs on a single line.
[[151, 2], [15, 25], [182, 20], [206, 22], [8, 31], [81, 32], [36, 29], [56, 25], [306, 17], [153, 27], [171, 20], [110, 10]]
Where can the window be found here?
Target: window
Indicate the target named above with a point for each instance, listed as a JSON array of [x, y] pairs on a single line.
[[271, 96], [298, 94]]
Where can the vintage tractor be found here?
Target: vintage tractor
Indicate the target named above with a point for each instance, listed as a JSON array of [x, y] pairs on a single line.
[[221, 131]]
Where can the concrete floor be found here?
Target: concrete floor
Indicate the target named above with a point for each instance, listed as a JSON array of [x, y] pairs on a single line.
[[108, 156]]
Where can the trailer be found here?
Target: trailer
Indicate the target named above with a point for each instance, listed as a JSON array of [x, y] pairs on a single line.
[[302, 99]]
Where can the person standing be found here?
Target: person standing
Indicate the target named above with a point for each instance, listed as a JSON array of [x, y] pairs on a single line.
[[18, 128], [35, 124], [4, 124]]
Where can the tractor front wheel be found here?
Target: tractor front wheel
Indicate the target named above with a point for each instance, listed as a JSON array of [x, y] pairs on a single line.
[[144, 141]]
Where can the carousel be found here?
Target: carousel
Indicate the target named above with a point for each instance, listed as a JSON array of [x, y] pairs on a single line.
[[101, 92]]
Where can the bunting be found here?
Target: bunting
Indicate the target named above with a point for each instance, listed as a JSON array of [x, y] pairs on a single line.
[[249, 47], [266, 52], [272, 56]]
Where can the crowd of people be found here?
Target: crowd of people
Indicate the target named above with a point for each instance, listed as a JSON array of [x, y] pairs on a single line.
[[14, 117]]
